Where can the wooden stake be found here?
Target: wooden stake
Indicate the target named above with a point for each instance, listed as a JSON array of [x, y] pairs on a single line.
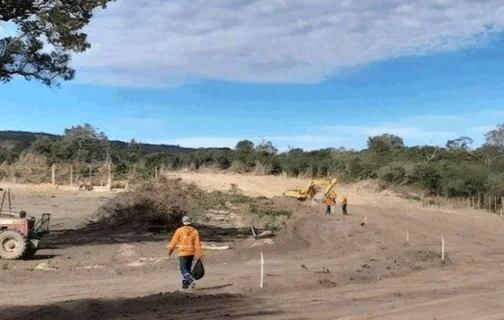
[[407, 236], [262, 271], [53, 174], [71, 176], [442, 247], [109, 176]]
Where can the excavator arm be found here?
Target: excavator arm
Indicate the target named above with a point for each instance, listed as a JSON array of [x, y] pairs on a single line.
[[309, 191]]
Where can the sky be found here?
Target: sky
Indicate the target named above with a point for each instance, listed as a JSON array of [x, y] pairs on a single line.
[[323, 73]]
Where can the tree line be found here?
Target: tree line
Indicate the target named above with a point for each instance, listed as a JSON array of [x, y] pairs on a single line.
[[454, 170]]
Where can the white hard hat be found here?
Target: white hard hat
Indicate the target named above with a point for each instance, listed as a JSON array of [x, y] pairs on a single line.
[[186, 220]]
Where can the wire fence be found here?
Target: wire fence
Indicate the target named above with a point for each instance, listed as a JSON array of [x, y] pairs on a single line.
[[99, 174], [482, 201]]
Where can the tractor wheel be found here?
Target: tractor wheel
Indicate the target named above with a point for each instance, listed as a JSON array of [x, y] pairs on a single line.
[[12, 244]]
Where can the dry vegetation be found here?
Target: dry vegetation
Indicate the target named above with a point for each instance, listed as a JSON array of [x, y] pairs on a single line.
[[159, 204]]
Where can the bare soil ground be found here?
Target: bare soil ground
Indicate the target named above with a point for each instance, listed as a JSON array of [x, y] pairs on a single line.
[[317, 267]]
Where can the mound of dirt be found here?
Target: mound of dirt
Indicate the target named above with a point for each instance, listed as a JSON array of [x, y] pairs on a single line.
[[126, 254], [156, 203]]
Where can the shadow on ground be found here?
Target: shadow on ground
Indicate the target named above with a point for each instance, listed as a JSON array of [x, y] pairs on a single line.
[[97, 234], [161, 306]]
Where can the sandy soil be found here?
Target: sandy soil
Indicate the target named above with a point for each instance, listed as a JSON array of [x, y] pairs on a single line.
[[363, 193], [317, 267]]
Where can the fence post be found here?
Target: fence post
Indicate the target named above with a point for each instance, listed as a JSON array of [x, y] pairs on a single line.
[[53, 174], [261, 284], [442, 247], [109, 176]]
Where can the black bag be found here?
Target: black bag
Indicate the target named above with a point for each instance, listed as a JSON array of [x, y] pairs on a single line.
[[198, 271]]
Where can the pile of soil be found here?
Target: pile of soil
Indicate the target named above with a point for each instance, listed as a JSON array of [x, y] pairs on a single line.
[[155, 203]]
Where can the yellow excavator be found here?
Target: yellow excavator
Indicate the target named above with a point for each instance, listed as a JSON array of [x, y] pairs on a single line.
[[309, 191]]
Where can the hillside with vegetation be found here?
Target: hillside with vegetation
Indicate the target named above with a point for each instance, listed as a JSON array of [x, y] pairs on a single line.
[[15, 143], [454, 170]]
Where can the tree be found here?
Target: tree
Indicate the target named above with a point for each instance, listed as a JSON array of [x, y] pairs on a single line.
[[266, 147], [463, 143], [57, 22], [245, 146], [84, 143], [385, 142], [496, 137], [295, 150], [133, 152], [245, 153]]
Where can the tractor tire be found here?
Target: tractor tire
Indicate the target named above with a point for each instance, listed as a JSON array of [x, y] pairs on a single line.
[[13, 244]]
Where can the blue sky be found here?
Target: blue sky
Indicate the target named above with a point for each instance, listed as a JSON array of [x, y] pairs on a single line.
[[325, 75]]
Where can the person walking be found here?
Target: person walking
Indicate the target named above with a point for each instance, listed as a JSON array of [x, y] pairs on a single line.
[[344, 202], [189, 247]]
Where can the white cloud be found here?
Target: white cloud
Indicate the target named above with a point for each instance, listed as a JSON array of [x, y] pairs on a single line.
[[273, 41], [122, 80], [426, 129], [415, 130], [281, 142], [404, 131]]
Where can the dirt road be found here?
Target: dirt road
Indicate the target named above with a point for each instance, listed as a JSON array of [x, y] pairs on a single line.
[[318, 267]]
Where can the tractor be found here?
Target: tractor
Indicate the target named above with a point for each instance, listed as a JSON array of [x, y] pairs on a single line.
[[20, 234]]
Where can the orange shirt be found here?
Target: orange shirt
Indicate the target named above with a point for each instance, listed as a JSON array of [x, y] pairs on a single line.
[[188, 241], [329, 200]]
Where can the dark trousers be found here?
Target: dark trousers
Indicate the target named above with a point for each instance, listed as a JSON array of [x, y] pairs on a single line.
[[328, 210], [185, 269], [343, 208]]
